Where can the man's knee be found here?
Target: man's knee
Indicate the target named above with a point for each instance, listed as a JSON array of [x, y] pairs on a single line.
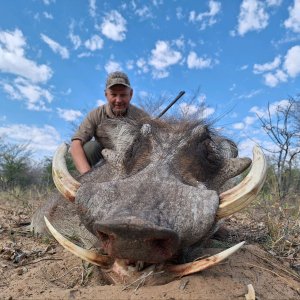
[[92, 150]]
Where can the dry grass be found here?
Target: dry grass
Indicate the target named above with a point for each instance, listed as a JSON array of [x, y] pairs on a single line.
[[280, 222]]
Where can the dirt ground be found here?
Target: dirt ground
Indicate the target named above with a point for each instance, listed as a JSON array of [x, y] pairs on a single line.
[[32, 268]]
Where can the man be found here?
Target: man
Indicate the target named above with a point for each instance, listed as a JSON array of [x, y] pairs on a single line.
[[118, 92]]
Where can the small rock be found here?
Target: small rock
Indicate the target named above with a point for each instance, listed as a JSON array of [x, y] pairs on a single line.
[[22, 271], [72, 294], [296, 267]]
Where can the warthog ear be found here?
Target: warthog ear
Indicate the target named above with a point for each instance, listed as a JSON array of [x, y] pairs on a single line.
[[240, 196]]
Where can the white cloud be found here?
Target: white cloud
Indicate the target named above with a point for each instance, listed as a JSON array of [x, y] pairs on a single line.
[[35, 97], [250, 120], [92, 8], [142, 65], [251, 127], [112, 66], [195, 62], [69, 115], [257, 68], [292, 61], [188, 109], [11, 91], [159, 74], [67, 92], [245, 146], [293, 21], [130, 64], [100, 102], [47, 2], [263, 112], [202, 98], [273, 79], [179, 13], [278, 104], [13, 60], [162, 57], [114, 26], [208, 111], [238, 126], [56, 47], [84, 54], [94, 43], [274, 2], [44, 139], [245, 125], [157, 2], [276, 72], [250, 94], [208, 18], [144, 12], [47, 15], [144, 94], [179, 42], [75, 39], [252, 16], [233, 87]]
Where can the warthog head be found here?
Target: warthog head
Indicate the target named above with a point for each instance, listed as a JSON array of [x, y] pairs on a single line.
[[156, 194]]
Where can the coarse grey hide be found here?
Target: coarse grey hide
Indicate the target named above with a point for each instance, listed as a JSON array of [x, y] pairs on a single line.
[[156, 191]]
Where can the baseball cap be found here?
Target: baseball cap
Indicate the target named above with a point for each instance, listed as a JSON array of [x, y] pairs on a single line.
[[117, 78]]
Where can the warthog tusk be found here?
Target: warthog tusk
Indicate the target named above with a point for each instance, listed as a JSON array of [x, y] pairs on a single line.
[[87, 255], [244, 193], [197, 266], [64, 182]]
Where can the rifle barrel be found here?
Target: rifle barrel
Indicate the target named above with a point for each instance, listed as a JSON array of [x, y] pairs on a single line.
[[171, 104]]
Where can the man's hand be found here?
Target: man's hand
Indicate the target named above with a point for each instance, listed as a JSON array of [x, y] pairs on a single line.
[[79, 157]]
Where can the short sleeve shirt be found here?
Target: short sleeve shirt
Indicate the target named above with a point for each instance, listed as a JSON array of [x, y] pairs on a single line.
[[91, 125]]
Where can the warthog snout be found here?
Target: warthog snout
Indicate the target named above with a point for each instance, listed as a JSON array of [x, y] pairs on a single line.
[[133, 238]]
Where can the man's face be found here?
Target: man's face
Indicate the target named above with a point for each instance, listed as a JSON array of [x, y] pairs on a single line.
[[118, 97]]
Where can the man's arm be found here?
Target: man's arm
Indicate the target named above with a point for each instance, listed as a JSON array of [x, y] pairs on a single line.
[[79, 157]]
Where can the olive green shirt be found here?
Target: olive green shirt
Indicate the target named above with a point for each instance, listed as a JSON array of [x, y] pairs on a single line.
[[91, 125]]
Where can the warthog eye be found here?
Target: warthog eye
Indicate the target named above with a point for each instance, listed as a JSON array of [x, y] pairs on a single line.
[[200, 159]]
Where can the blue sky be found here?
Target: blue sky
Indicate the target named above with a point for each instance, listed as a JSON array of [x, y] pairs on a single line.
[[55, 56]]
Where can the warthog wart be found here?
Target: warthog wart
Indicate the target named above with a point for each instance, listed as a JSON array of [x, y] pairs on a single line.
[[156, 194]]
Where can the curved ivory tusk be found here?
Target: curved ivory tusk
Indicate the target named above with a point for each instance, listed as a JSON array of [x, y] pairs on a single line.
[[197, 266], [64, 182], [241, 195], [87, 255]]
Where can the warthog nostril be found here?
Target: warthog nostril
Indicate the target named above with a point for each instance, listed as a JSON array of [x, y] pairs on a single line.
[[104, 238], [161, 246], [136, 240]]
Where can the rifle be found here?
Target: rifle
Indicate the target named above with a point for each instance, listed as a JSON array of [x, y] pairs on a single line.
[[171, 104]]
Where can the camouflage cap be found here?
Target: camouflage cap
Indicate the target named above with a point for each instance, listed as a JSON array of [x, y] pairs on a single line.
[[117, 78]]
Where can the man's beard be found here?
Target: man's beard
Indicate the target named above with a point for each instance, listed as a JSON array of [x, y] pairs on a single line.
[[119, 112]]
